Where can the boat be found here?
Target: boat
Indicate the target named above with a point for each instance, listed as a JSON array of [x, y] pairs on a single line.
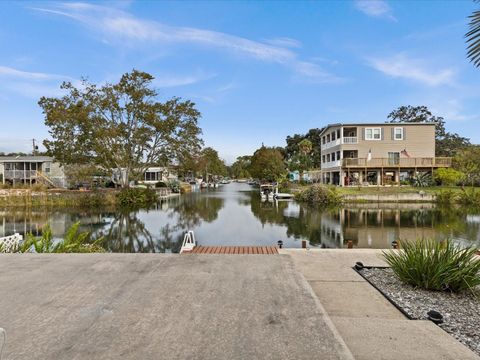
[[279, 195], [266, 192]]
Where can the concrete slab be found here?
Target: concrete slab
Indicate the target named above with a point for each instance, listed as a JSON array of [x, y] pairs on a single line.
[[372, 339], [150, 306], [333, 264], [371, 327], [354, 299]]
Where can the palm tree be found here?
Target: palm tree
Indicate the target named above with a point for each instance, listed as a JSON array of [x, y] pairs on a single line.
[[473, 38]]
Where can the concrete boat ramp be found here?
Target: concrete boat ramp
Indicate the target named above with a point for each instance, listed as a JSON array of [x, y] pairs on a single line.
[[202, 306]]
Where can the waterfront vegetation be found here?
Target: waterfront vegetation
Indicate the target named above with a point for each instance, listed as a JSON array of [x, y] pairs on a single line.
[[74, 241], [433, 265], [319, 195], [103, 198]]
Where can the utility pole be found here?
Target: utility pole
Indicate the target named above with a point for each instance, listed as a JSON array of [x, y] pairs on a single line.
[[35, 147]]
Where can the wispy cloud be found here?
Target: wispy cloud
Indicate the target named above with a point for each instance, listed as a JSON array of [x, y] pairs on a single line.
[[6, 71], [375, 8], [30, 84], [284, 42], [180, 80], [402, 66], [118, 25]]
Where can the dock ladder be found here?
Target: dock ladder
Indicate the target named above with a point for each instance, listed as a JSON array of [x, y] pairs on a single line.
[[189, 242]]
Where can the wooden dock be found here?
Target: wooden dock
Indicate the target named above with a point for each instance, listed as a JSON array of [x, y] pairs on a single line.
[[254, 250]]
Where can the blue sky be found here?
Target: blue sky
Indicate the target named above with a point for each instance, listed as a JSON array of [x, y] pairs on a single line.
[[258, 71]]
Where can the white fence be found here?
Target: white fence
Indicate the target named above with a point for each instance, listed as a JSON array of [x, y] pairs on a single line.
[[11, 243]]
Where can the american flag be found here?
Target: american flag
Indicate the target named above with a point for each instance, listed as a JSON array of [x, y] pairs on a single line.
[[405, 153]]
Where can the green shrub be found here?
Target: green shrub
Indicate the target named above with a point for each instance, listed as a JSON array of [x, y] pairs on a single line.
[[445, 197], [137, 197], [434, 265], [174, 186], [74, 242], [469, 197], [422, 179], [319, 194], [448, 176], [91, 200]]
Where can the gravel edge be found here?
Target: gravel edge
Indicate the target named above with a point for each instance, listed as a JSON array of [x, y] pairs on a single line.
[[461, 312]]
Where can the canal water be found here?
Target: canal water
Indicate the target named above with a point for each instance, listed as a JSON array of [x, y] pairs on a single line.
[[234, 215]]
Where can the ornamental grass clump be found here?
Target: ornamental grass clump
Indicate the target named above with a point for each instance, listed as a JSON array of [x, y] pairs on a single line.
[[433, 265]]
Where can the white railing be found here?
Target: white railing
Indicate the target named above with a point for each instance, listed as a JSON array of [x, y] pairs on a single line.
[[188, 242], [331, 164], [350, 140], [11, 243], [330, 144]]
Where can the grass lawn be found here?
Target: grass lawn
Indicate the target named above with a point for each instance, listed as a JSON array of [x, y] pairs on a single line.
[[394, 189]]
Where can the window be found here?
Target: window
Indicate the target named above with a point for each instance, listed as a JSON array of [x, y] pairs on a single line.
[[151, 176], [338, 155], [373, 133], [398, 133], [323, 140], [323, 158], [333, 136], [338, 134], [328, 138], [47, 168], [333, 156], [328, 157]]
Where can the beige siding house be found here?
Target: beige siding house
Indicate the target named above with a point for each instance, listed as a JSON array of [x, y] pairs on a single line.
[[31, 170], [378, 153]]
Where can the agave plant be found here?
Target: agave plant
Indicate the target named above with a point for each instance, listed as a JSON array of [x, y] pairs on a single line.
[[473, 38], [434, 265], [422, 179]]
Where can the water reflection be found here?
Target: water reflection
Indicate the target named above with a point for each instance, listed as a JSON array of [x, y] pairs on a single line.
[[234, 215]]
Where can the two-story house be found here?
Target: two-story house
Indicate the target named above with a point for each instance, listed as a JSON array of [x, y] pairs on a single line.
[[378, 153]]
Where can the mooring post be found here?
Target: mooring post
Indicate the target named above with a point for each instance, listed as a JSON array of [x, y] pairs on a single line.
[[304, 244], [350, 244]]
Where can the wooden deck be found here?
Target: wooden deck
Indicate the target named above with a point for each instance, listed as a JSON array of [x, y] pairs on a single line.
[[254, 250]]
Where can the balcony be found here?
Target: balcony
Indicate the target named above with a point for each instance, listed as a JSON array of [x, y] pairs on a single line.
[[20, 174], [332, 164], [350, 140], [398, 163], [331, 144]]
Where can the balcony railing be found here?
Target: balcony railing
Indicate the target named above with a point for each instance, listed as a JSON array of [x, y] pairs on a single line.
[[402, 162], [20, 174], [330, 144], [331, 164], [350, 140]]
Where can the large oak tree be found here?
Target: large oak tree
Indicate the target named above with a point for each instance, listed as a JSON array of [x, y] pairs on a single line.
[[120, 126]]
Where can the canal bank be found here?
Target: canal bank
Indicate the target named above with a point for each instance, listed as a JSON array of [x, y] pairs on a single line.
[[234, 215]]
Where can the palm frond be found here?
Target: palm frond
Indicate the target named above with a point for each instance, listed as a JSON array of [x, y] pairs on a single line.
[[473, 38]]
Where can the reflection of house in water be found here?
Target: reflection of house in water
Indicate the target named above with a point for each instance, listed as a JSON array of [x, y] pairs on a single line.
[[332, 234], [377, 228], [34, 221]]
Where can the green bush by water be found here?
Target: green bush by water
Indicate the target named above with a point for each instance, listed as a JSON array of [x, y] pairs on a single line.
[[137, 197], [433, 265], [446, 197], [319, 195], [469, 197]]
